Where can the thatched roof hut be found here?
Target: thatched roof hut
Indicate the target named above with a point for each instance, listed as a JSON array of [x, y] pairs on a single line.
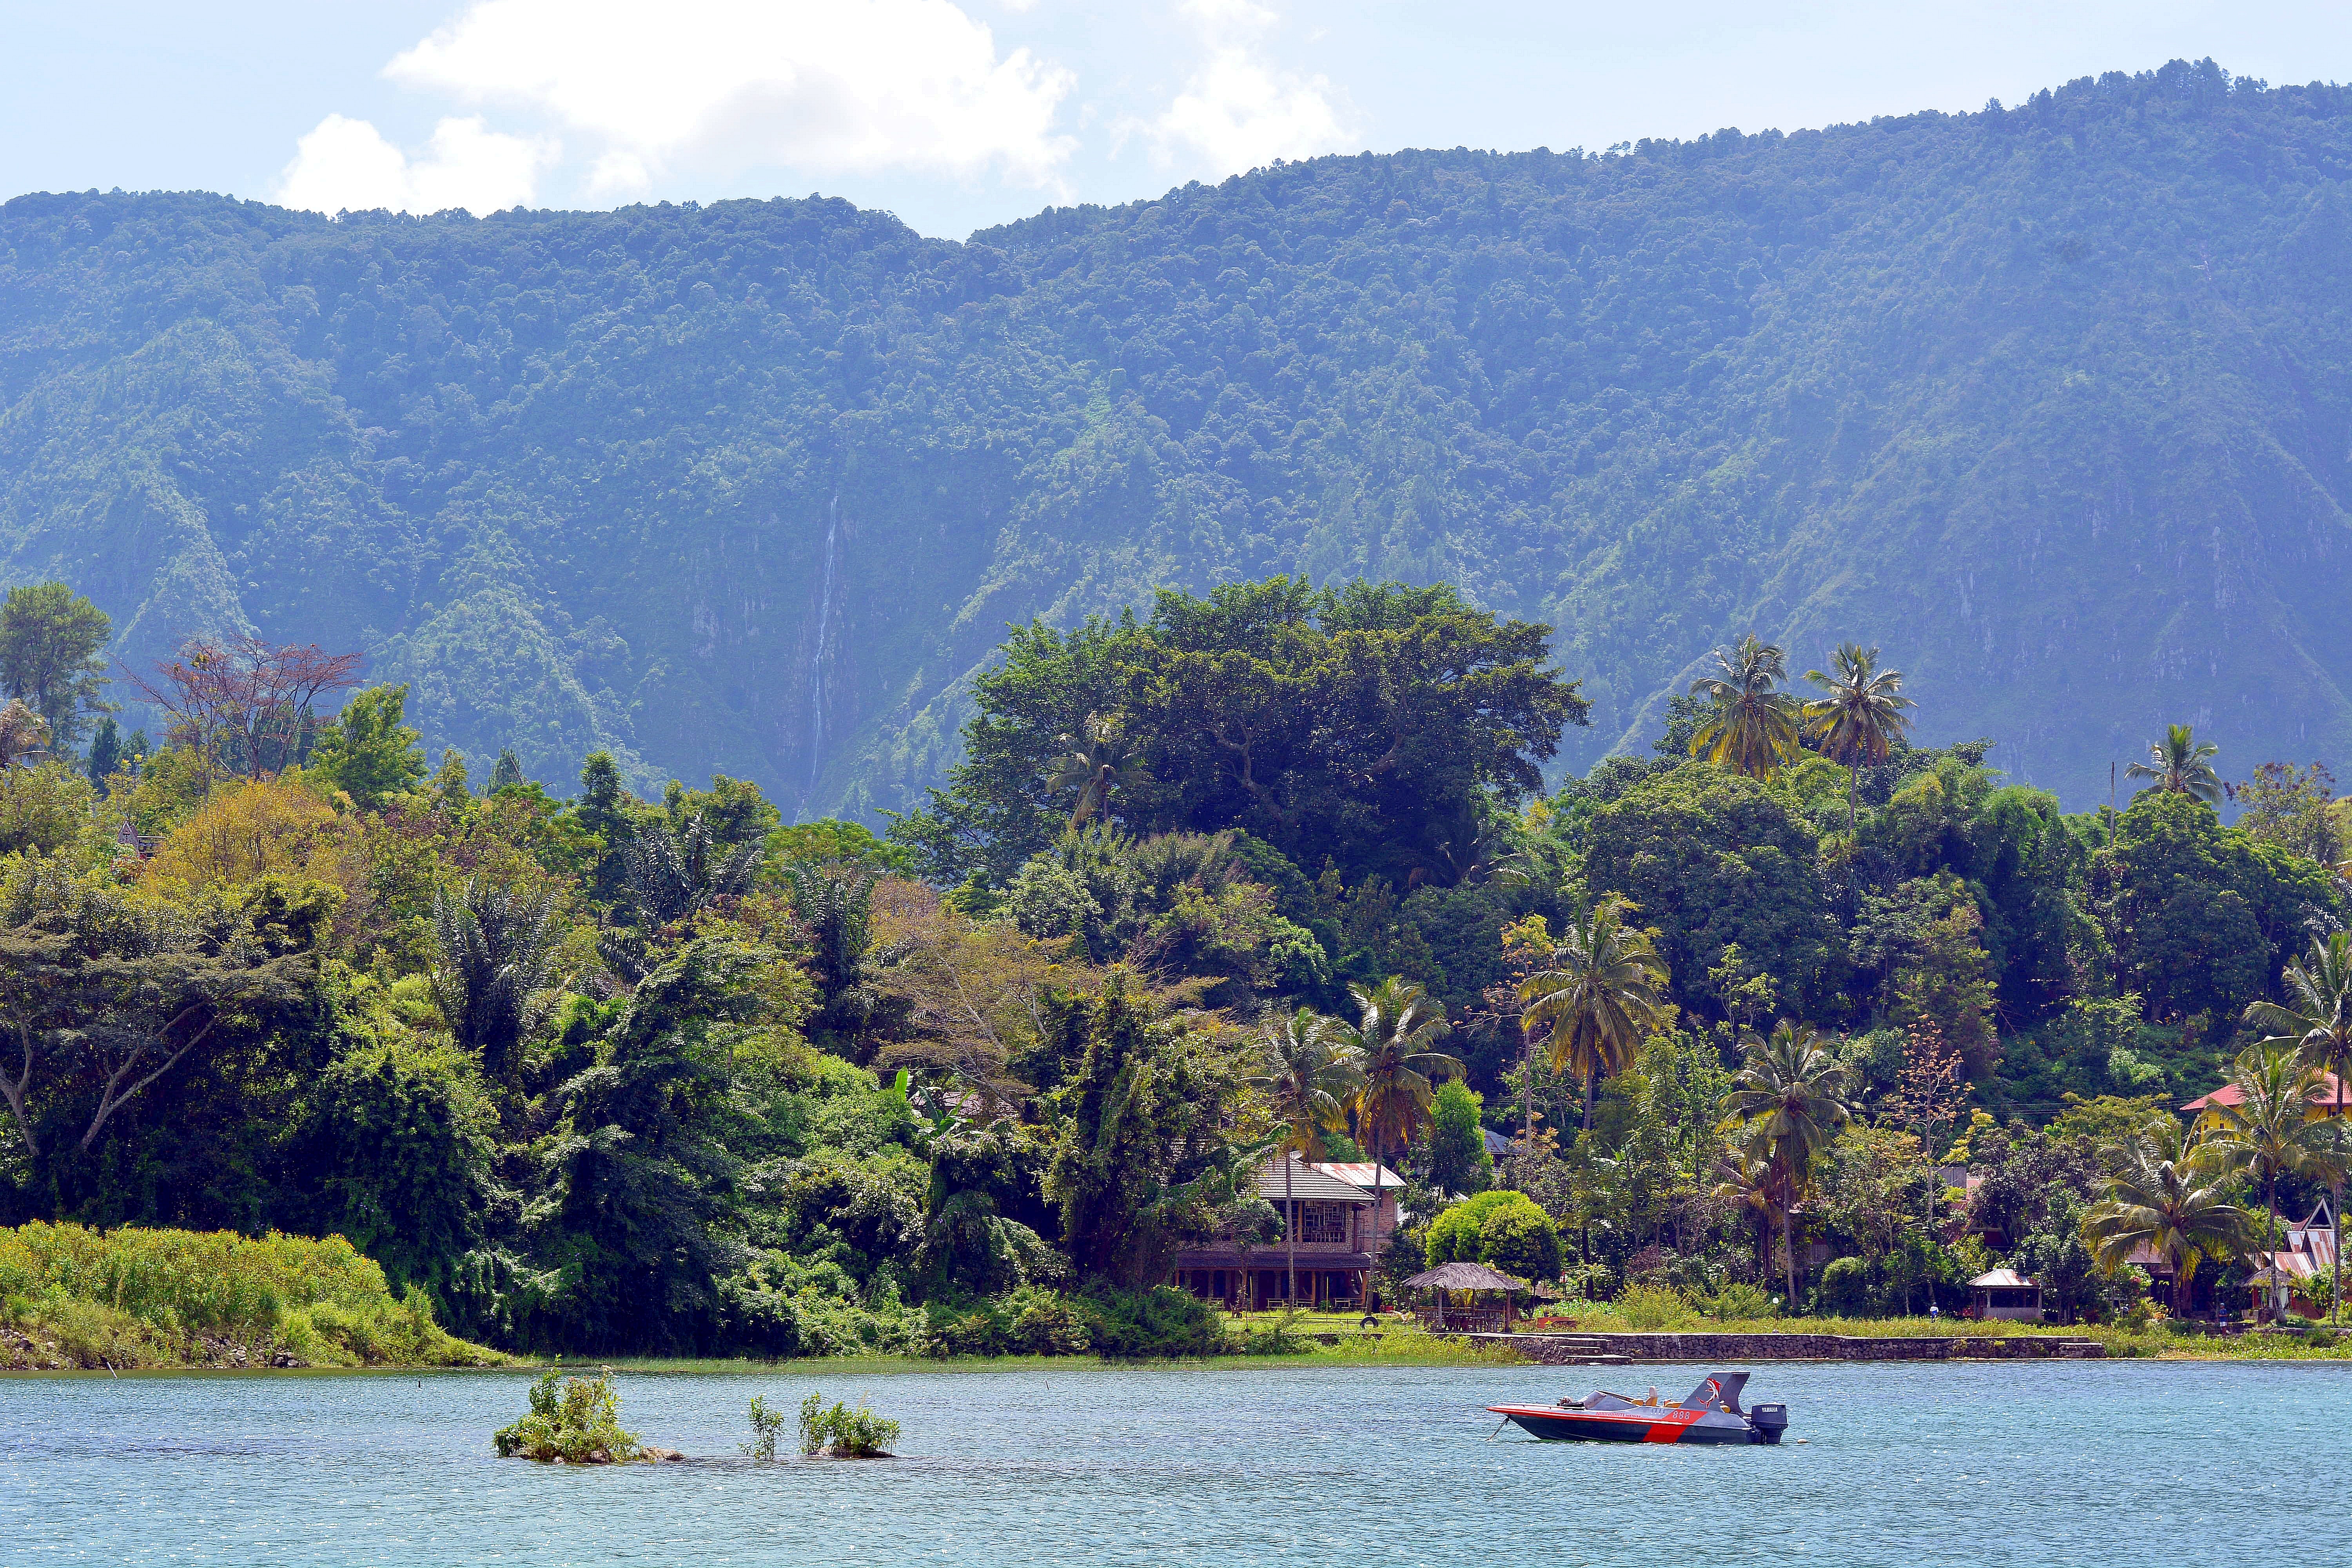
[[1464, 1276]]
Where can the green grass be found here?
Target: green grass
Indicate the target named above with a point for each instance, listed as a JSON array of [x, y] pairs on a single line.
[[2122, 1343], [132, 1298]]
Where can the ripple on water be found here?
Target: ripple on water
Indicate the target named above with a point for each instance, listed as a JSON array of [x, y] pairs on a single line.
[[2056, 1464]]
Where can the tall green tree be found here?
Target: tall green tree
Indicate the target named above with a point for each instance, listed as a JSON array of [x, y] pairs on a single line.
[[2180, 764], [1306, 1075], [1754, 727], [1369, 725], [368, 750], [1858, 717], [49, 640], [1459, 1163], [1598, 992], [1144, 1162], [1791, 1095]]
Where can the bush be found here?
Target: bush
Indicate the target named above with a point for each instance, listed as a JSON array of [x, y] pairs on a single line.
[[1164, 1321], [1526, 1244], [1738, 1300], [1520, 1239], [1650, 1307], [576, 1423], [135, 1297], [843, 1433], [1845, 1288]]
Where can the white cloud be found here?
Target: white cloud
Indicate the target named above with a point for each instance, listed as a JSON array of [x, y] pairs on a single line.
[[1237, 111], [346, 164], [827, 86]]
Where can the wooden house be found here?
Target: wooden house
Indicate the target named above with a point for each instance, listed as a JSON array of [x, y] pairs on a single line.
[[1341, 1216]]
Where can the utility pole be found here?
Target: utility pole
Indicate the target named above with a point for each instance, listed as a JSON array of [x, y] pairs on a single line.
[[2111, 806]]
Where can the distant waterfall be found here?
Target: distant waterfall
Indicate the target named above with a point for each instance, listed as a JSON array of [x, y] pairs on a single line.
[[816, 651]]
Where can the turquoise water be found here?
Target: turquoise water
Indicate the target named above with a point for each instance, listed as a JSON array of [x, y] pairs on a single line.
[[2070, 1463]]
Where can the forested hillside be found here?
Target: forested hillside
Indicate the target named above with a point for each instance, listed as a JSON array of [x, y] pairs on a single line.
[[2052, 402]]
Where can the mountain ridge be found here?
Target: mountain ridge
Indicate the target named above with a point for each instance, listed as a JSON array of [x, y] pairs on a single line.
[[2052, 402]]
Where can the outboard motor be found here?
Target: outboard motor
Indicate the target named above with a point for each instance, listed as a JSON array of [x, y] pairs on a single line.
[[1767, 1422]]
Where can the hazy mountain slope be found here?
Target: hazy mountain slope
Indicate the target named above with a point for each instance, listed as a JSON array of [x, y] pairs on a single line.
[[2055, 403]]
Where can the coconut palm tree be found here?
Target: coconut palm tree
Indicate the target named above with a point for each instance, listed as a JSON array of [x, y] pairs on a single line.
[[2266, 1134], [1748, 1175], [1791, 1097], [1859, 716], [1755, 726], [1392, 1047], [1599, 988], [1306, 1075], [2180, 764], [2316, 1023], [1099, 760], [2170, 1197]]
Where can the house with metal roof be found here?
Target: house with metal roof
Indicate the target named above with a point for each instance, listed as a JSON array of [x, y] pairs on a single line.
[[2309, 1254], [1338, 1216]]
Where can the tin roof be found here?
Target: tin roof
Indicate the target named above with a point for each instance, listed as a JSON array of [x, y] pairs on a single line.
[[2003, 1279], [1309, 1184], [1360, 1173]]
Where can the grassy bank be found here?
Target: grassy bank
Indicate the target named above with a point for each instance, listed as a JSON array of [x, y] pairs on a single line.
[[2146, 1343], [70, 1297]]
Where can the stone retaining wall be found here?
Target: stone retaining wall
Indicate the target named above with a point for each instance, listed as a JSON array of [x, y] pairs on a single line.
[[1568, 1350]]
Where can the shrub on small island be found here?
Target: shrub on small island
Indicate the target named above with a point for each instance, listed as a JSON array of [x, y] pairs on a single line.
[[576, 1421], [843, 1433], [766, 1425]]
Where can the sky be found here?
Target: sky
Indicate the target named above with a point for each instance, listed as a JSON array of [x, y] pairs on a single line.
[[958, 114]]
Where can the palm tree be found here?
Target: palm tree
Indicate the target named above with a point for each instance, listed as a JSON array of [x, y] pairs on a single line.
[[2265, 1133], [1306, 1075], [1098, 759], [1749, 1176], [1754, 727], [2180, 764], [1859, 717], [1391, 1049], [1792, 1097], [2170, 1198], [23, 734], [1601, 990], [2317, 1022]]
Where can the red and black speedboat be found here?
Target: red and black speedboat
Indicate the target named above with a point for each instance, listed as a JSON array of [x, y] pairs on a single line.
[[1710, 1414]]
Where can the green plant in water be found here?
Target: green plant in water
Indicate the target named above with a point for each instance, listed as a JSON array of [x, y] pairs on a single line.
[[843, 1433], [766, 1425], [574, 1422]]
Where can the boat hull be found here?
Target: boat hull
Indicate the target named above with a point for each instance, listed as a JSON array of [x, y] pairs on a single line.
[[1641, 1424]]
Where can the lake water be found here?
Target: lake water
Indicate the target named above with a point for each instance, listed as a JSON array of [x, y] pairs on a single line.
[[1992, 1464]]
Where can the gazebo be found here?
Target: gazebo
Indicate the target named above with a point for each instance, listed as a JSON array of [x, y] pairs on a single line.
[[2005, 1293], [1447, 1277]]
